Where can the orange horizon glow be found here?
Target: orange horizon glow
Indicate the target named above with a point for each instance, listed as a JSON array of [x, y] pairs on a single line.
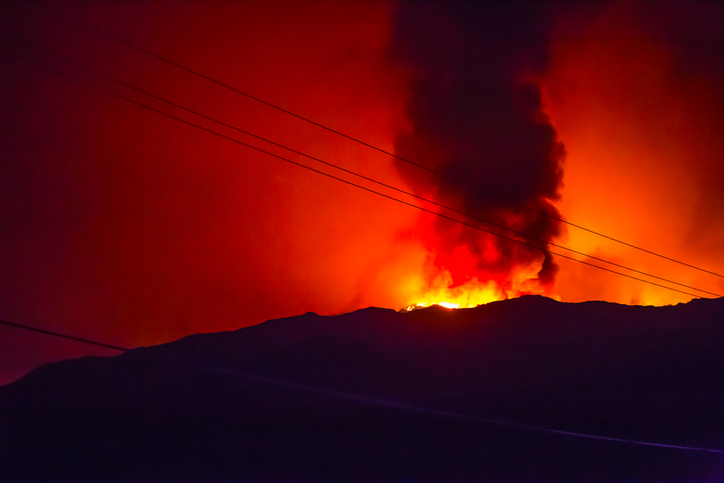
[[637, 117], [123, 226], [639, 128]]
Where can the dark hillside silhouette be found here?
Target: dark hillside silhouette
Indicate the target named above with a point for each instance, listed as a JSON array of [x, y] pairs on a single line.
[[307, 397]]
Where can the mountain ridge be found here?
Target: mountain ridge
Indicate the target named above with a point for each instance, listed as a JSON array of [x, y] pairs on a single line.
[[651, 374]]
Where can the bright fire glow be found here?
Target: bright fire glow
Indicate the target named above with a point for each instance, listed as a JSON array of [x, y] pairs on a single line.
[[422, 305], [470, 294], [449, 305], [479, 290]]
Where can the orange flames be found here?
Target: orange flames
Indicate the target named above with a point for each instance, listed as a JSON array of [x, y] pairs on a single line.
[[441, 291], [456, 285], [476, 291]]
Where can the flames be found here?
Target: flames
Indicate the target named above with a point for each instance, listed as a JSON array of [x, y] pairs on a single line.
[[442, 291], [457, 287]]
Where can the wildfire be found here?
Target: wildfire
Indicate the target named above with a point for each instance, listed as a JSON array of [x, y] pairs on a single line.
[[442, 290], [422, 305], [470, 294]]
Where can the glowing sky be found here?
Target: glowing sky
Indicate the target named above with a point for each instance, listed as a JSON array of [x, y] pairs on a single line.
[[120, 225]]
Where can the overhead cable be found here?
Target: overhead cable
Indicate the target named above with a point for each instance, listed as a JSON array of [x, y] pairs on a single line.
[[352, 138], [435, 213], [373, 401], [379, 183]]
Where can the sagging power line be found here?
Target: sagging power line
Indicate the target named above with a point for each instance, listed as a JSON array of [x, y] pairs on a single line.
[[435, 213], [353, 138], [375, 401], [379, 183], [64, 336]]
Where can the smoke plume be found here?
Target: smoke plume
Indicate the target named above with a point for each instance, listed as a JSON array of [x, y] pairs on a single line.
[[476, 117]]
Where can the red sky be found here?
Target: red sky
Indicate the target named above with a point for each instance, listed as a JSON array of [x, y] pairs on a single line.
[[634, 93], [123, 226]]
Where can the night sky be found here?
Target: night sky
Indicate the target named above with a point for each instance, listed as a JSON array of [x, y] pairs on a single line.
[[124, 226]]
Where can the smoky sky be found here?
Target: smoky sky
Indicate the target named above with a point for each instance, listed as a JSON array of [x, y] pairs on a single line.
[[634, 91], [476, 115], [124, 227]]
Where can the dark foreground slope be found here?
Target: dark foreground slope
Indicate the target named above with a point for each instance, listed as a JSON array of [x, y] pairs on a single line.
[[304, 397]]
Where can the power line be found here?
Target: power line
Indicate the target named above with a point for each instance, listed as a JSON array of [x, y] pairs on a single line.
[[374, 401], [352, 138], [359, 175], [346, 181], [437, 412], [64, 336]]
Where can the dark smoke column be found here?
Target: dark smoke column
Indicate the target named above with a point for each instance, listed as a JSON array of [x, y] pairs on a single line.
[[476, 117]]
